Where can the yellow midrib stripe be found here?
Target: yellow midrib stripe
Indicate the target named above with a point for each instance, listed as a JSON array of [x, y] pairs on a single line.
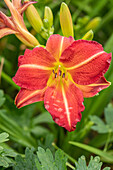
[[66, 105], [86, 61], [35, 66]]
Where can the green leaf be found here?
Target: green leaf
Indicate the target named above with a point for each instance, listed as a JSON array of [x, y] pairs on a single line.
[[39, 131], [109, 44], [3, 162], [108, 112], [100, 126], [27, 163], [4, 137], [48, 162], [5, 154], [94, 164], [47, 141], [43, 118], [2, 99], [44, 160], [60, 160]]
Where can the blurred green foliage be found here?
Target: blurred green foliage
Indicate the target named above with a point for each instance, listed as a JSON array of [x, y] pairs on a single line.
[[32, 125]]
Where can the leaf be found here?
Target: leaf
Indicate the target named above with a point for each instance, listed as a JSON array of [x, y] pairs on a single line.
[[4, 137], [109, 44], [2, 99], [108, 112], [60, 160], [3, 162], [47, 141], [48, 162], [94, 164], [106, 157], [39, 131], [43, 118], [44, 160], [100, 126], [26, 164], [5, 154], [9, 152]]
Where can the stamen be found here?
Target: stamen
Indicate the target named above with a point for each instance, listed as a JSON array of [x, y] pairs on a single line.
[[55, 75], [53, 71], [63, 76], [60, 72]]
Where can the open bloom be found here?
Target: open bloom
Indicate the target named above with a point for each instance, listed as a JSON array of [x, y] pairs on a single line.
[[62, 74], [15, 24]]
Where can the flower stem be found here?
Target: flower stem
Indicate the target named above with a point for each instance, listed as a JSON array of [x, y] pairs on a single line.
[[69, 165], [69, 157], [107, 141]]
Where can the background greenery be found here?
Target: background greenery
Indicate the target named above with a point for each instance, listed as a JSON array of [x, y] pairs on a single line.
[[33, 127]]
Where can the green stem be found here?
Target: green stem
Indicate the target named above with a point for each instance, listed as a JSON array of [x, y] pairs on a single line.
[[69, 157], [9, 80], [107, 141], [69, 165]]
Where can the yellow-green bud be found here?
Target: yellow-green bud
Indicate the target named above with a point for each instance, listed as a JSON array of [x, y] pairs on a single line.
[[34, 18], [83, 20], [29, 40], [66, 21], [88, 35], [48, 16], [93, 24]]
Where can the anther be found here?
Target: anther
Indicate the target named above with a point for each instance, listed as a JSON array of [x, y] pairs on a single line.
[[53, 71], [63, 76], [55, 75], [60, 72]]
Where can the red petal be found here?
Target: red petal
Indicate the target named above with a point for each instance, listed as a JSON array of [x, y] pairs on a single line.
[[25, 5], [34, 70], [64, 103], [39, 56], [26, 97], [56, 44], [86, 61], [6, 31], [16, 17], [2, 24], [17, 3], [7, 21], [92, 89]]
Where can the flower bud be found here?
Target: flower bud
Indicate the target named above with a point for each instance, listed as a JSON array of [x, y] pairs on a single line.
[[30, 41], [93, 24], [48, 17], [66, 21], [88, 35], [84, 20], [34, 18]]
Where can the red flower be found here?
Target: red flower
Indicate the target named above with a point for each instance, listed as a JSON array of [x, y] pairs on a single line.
[[61, 75]]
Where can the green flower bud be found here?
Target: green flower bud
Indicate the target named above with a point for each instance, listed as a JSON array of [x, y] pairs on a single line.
[[34, 18], [88, 35], [93, 24], [48, 17], [66, 21]]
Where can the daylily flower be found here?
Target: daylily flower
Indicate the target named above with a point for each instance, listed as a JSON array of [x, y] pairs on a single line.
[[62, 74], [15, 24]]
